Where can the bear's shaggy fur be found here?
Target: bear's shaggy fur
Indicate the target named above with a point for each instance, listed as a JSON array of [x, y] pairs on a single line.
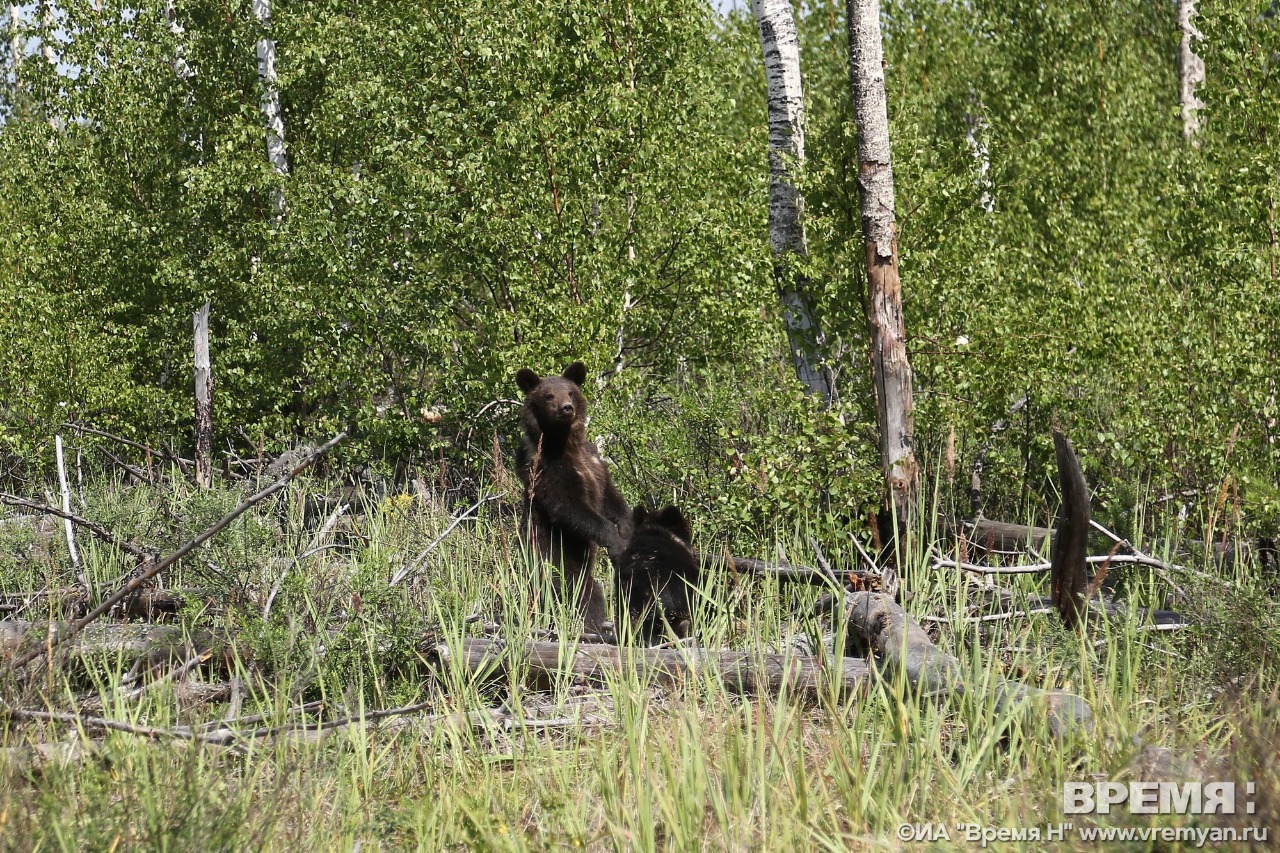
[[658, 574], [571, 506]]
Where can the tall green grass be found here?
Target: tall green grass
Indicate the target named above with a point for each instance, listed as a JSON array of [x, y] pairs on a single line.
[[630, 764]]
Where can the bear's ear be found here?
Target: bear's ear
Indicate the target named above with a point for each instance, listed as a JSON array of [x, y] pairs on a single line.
[[639, 515], [527, 380], [672, 519], [576, 373]]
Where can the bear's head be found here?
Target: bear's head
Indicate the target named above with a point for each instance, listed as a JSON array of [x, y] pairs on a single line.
[[669, 519], [554, 403]]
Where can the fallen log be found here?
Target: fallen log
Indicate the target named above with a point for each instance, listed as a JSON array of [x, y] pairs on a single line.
[[144, 604], [991, 536], [743, 673], [129, 642], [903, 647], [141, 580]]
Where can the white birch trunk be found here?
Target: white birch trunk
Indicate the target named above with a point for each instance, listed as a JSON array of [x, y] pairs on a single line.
[[271, 98], [891, 372], [975, 124], [1190, 69], [781, 46], [180, 65], [46, 33], [15, 39]]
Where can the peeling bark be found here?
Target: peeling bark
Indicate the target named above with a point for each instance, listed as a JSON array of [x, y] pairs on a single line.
[[271, 99], [891, 371], [781, 47]]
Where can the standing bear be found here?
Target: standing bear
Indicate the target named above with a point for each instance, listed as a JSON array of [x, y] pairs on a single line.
[[658, 575], [571, 506]]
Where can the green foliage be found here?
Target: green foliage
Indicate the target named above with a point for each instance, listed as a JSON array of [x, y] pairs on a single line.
[[469, 183]]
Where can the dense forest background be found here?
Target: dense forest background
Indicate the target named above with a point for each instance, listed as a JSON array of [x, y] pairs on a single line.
[[475, 187]]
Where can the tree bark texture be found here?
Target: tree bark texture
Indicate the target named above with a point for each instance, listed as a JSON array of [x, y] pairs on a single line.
[[891, 372], [781, 46], [204, 399], [1191, 69], [270, 93], [1067, 575]]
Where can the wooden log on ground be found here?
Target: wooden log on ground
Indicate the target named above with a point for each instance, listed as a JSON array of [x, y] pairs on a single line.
[[989, 535], [902, 646], [743, 673], [129, 642], [144, 604], [1068, 578]]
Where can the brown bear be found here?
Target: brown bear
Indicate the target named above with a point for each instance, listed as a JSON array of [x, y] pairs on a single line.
[[571, 506], [658, 575]]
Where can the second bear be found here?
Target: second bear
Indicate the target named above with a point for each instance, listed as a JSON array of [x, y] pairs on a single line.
[[658, 575], [571, 506]]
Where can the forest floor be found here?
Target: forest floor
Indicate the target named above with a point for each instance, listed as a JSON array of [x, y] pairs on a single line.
[[301, 700]]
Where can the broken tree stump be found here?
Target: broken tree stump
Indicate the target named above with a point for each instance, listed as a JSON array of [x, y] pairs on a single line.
[[1068, 578]]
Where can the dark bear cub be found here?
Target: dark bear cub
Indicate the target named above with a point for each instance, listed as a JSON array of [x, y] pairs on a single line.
[[571, 505], [658, 575]]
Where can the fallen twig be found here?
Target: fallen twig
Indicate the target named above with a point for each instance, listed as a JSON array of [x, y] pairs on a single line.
[[136, 584]]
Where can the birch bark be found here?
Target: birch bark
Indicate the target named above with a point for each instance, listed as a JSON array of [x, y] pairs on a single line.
[[1190, 70], [781, 46], [271, 98]]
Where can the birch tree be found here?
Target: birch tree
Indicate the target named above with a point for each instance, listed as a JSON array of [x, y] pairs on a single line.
[[1190, 69], [15, 39], [891, 372], [781, 47], [271, 97]]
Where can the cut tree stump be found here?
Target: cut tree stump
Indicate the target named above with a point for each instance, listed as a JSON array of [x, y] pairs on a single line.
[[743, 673]]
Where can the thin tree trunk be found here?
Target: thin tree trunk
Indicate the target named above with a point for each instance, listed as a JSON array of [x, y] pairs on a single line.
[[15, 41], [781, 47], [271, 98], [891, 372], [1190, 70], [65, 488], [46, 33], [204, 399]]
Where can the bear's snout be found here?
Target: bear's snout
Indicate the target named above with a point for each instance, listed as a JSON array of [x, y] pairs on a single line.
[[566, 410]]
